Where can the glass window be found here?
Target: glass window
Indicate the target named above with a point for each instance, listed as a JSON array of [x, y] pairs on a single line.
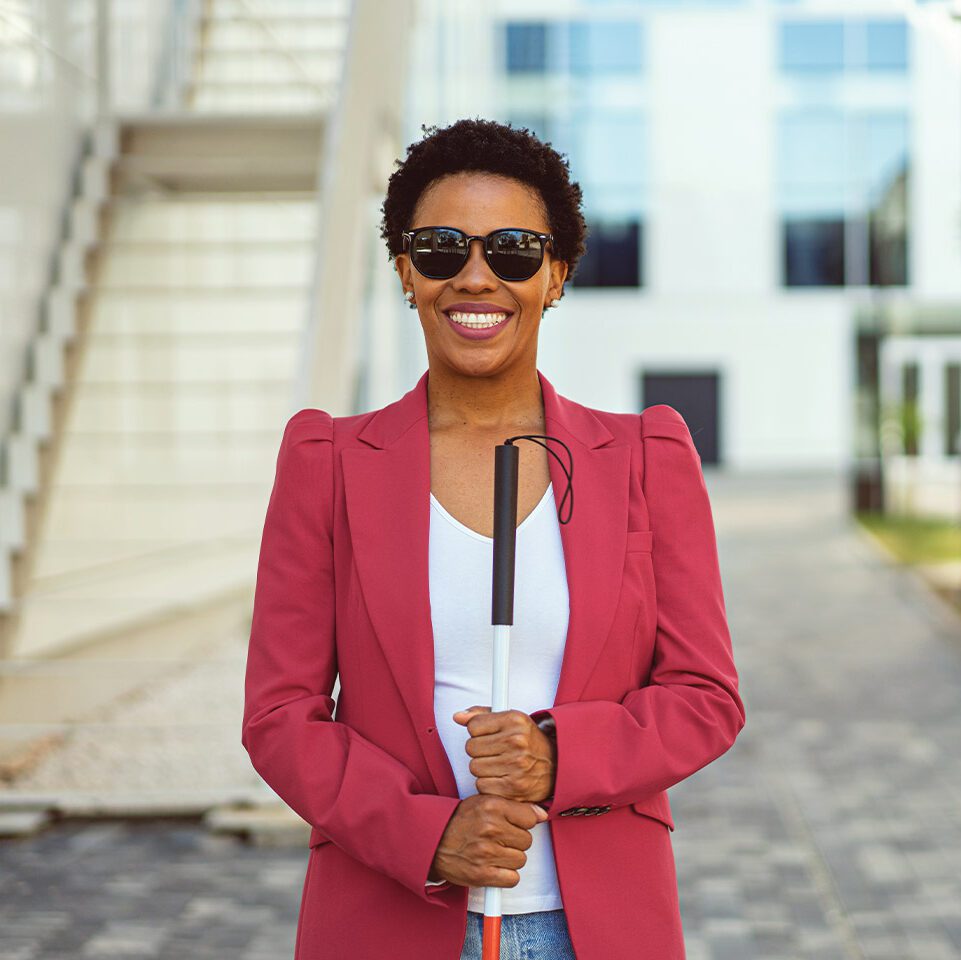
[[879, 154], [604, 46], [813, 252], [614, 255], [811, 46], [818, 46], [613, 147], [526, 47], [837, 170], [887, 44], [811, 154]]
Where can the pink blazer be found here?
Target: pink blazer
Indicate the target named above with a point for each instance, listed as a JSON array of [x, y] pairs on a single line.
[[648, 691]]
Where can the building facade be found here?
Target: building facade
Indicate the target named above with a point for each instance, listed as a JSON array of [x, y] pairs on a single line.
[[754, 172]]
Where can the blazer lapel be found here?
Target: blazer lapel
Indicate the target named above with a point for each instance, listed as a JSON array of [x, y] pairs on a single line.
[[387, 488]]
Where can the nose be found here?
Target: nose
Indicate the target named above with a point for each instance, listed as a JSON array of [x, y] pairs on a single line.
[[476, 273]]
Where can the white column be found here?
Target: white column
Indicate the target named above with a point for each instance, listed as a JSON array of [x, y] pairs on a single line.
[[931, 402]]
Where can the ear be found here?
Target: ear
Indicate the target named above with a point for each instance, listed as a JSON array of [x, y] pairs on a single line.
[[402, 266], [555, 287]]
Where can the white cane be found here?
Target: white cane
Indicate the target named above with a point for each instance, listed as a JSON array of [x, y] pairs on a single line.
[[502, 616]]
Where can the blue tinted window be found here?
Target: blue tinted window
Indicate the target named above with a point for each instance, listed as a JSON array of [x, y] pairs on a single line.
[[818, 46], [836, 168], [604, 46], [812, 162], [880, 155], [526, 47], [887, 44], [812, 46]]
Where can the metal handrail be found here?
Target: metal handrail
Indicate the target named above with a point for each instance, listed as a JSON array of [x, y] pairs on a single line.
[[254, 18], [176, 59]]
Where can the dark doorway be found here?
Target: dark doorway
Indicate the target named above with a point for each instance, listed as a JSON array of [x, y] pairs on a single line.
[[695, 397]]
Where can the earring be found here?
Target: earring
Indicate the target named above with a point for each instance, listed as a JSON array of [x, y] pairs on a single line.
[[409, 294], [553, 302]]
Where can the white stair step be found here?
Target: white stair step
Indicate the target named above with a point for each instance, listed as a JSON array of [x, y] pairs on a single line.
[[213, 311], [64, 562], [60, 617], [268, 9], [222, 100], [174, 265], [288, 33], [184, 363], [204, 219], [123, 412], [269, 63], [159, 459], [150, 512]]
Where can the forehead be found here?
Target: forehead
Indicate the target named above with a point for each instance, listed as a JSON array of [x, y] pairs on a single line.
[[479, 202]]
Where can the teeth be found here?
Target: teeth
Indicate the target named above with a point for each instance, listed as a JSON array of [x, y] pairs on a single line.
[[475, 319]]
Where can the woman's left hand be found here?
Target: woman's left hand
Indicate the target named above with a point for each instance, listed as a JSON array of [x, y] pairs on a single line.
[[513, 757]]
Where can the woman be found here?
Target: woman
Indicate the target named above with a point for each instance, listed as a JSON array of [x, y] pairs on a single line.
[[375, 564]]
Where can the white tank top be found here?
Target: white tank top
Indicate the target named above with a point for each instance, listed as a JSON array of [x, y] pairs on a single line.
[[461, 563]]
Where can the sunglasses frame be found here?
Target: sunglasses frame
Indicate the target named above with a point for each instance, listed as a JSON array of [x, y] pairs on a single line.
[[545, 238]]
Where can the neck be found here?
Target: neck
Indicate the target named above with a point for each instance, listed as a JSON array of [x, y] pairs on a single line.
[[512, 399]]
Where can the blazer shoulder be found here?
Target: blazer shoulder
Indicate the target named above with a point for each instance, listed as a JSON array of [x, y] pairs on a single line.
[[662, 420], [309, 424]]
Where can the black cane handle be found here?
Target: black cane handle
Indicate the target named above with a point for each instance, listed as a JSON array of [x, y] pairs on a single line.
[[506, 459]]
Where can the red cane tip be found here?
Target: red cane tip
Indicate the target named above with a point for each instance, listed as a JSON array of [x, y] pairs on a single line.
[[491, 948]]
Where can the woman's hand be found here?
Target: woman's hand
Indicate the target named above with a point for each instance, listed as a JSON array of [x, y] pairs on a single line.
[[513, 757], [484, 842]]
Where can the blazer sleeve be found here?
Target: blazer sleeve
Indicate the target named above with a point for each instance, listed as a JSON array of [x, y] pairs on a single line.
[[611, 753], [357, 794]]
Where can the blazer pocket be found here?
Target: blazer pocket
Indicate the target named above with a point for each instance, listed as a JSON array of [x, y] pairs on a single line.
[[658, 807], [640, 541]]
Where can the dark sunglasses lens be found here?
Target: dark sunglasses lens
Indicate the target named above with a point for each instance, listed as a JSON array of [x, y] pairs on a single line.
[[515, 254], [438, 254]]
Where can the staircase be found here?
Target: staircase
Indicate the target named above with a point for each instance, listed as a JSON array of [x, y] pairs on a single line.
[[269, 55], [189, 314]]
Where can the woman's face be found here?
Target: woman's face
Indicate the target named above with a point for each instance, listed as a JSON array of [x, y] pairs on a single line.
[[478, 203]]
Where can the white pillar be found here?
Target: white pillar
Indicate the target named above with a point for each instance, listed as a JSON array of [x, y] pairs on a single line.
[[931, 402]]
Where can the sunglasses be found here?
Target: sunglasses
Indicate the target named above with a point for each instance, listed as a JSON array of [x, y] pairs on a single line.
[[439, 253]]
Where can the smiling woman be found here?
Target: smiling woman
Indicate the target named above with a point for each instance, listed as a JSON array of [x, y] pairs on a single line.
[[375, 567]]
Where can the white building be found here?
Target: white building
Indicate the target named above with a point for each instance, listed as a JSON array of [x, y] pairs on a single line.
[[753, 172]]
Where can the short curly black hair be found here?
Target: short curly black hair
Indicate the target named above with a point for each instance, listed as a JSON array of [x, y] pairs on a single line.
[[495, 148]]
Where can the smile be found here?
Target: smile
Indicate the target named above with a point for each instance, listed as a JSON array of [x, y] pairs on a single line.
[[477, 321]]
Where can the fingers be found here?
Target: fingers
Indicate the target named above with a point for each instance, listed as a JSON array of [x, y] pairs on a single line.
[[463, 714], [524, 815], [483, 746], [498, 877], [481, 722], [516, 766]]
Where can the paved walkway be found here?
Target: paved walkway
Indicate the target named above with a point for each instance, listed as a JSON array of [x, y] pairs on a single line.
[[831, 830]]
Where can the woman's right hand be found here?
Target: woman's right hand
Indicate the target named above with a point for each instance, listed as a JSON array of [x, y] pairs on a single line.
[[484, 842]]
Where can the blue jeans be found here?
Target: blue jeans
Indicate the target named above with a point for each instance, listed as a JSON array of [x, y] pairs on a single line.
[[524, 936]]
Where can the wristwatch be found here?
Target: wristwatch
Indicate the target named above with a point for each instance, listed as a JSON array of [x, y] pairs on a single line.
[[548, 726]]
